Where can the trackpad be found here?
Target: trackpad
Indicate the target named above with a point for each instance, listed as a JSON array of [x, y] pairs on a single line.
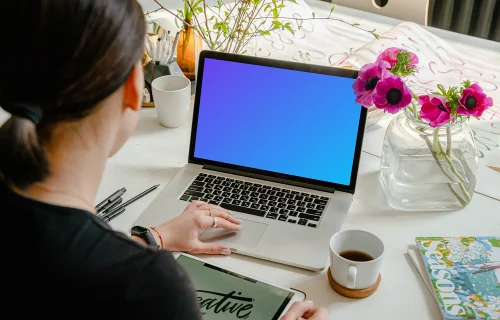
[[248, 236]]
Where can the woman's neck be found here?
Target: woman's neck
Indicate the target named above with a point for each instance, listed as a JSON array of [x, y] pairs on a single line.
[[76, 168]]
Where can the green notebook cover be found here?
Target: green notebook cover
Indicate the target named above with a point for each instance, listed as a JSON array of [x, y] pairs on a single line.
[[465, 275]]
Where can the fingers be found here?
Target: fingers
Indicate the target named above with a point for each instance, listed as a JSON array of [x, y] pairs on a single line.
[[297, 310], [211, 248], [208, 222], [219, 212], [316, 314], [196, 203]]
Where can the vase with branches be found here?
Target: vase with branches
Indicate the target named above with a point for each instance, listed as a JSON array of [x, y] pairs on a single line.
[[230, 27]]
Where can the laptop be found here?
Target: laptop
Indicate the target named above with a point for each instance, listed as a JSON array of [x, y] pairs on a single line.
[[278, 144]]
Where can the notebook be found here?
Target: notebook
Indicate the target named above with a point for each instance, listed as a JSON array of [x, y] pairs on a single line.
[[462, 273]]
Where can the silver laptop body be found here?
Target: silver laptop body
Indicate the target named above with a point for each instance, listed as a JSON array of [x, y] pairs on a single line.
[[289, 216]]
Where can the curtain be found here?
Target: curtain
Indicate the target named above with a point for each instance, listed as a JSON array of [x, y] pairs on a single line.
[[478, 18]]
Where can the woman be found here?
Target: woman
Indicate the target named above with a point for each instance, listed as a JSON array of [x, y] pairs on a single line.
[[72, 80]]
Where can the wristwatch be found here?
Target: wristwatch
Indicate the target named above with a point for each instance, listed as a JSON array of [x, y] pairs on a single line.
[[146, 235]]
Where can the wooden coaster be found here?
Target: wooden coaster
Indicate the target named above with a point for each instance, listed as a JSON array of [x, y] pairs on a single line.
[[352, 293]]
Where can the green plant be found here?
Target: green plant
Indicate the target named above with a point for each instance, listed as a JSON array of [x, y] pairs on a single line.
[[230, 27], [191, 7]]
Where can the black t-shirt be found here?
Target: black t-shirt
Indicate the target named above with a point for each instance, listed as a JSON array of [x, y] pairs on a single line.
[[67, 263]]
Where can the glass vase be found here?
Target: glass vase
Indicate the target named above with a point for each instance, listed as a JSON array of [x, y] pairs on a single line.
[[186, 51], [428, 169]]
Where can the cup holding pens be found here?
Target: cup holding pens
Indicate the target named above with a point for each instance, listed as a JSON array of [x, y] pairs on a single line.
[[172, 96]]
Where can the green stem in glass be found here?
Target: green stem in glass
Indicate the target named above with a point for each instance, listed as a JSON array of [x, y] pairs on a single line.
[[448, 141], [450, 163], [436, 151], [462, 201], [414, 110]]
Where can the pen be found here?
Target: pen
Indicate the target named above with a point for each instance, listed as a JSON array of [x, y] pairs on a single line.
[[111, 198], [115, 214], [109, 206], [174, 47], [140, 195]]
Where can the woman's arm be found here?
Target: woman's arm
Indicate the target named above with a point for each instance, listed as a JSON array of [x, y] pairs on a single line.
[[182, 232]]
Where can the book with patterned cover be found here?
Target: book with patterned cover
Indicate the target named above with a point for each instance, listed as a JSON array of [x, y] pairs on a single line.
[[465, 275]]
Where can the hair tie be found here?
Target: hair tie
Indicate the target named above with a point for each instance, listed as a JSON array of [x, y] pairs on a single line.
[[26, 111]]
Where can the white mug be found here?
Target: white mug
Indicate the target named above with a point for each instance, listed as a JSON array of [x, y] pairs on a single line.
[[355, 274], [172, 97]]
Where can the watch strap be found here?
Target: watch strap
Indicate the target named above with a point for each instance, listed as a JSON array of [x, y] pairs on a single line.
[[146, 235]]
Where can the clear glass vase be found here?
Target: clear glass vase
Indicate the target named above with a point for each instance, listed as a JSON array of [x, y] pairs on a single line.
[[425, 168]]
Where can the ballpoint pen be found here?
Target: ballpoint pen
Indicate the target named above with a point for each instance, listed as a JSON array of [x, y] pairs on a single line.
[[109, 199], [111, 205], [142, 194], [110, 217]]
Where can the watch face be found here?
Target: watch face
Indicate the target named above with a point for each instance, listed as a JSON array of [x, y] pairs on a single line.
[[139, 230]]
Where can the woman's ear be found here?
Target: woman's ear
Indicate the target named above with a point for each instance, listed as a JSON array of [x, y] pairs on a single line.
[[134, 87]]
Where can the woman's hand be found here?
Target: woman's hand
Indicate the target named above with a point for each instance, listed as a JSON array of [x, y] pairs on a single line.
[[305, 310], [182, 232]]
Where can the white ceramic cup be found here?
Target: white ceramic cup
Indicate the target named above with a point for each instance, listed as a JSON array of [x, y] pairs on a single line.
[[355, 274], [172, 97]]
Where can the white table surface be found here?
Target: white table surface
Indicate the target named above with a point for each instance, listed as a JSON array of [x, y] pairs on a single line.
[[154, 154]]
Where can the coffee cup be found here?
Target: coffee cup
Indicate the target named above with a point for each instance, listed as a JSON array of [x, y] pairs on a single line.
[[172, 98], [355, 259]]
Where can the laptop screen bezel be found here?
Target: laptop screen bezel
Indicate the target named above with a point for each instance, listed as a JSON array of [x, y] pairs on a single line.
[[264, 174]]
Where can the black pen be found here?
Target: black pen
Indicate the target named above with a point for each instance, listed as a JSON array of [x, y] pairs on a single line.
[[142, 194], [111, 198], [108, 218], [109, 206]]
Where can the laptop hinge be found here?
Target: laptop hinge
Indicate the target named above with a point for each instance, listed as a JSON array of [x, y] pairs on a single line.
[[270, 178]]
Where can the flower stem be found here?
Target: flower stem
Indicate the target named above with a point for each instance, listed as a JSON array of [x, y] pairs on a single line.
[[438, 149], [414, 109], [450, 163], [462, 201], [448, 141], [435, 156]]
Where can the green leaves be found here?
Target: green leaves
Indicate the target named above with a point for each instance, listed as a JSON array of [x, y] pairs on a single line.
[[264, 32], [288, 26], [453, 94], [314, 14], [404, 67], [275, 13]]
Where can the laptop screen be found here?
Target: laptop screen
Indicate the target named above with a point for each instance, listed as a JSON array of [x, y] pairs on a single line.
[[283, 121]]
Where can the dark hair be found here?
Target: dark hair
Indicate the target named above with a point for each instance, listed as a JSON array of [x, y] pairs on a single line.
[[61, 57]]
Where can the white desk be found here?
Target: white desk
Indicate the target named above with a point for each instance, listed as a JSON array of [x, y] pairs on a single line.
[[154, 154]]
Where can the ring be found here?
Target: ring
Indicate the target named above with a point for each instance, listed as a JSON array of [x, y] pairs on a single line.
[[215, 223], [210, 211]]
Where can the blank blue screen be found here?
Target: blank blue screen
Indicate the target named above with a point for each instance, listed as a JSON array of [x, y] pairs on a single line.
[[291, 122]]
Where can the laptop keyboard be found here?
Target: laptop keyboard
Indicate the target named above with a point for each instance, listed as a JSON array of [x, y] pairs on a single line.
[[257, 199]]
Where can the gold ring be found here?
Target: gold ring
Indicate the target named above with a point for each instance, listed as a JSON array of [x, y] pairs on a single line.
[[215, 223]]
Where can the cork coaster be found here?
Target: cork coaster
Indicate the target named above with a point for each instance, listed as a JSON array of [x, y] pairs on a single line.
[[352, 293]]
